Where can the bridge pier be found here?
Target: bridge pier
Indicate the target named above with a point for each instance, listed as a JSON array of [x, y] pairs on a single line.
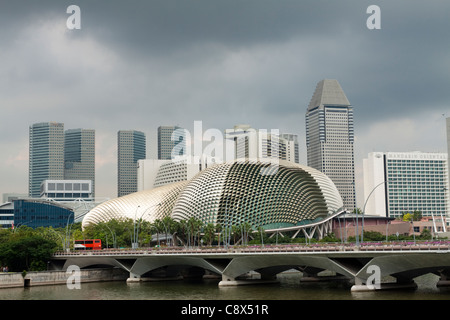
[[233, 282], [444, 278], [133, 278]]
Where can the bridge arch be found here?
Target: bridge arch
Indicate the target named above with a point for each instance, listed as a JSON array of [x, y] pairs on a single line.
[[406, 265], [241, 265]]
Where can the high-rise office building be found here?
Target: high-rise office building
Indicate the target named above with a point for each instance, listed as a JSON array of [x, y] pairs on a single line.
[[249, 143], [292, 147], [448, 147], [171, 142], [79, 155], [46, 154], [244, 141], [404, 182], [131, 148], [330, 137]]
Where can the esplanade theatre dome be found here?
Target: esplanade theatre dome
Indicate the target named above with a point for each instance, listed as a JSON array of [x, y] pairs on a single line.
[[265, 195]]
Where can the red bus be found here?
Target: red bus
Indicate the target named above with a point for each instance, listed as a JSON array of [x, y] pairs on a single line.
[[88, 244]]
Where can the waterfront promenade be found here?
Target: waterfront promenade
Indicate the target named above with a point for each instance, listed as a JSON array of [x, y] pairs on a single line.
[[359, 263]]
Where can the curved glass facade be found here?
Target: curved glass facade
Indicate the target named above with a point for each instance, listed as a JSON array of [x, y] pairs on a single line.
[[233, 193], [40, 213]]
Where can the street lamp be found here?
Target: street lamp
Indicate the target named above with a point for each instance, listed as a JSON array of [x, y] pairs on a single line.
[[364, 208], [135, 244], [68, 230]]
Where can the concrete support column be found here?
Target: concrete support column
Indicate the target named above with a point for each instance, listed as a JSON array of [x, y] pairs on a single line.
[[444, 280], [134, 278], [227, 281]]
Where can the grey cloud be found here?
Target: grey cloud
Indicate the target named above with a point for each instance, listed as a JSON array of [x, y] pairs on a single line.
[[139, 64]]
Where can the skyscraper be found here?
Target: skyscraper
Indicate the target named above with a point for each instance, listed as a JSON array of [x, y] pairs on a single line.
[[168, 145], [330, 137], [46, 154], [404, 182], [131, 148], [249, 143], [79, 155], [292, 147], [448, 149]]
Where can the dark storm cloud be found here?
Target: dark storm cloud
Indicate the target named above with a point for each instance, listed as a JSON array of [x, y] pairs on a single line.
[[140, 64]]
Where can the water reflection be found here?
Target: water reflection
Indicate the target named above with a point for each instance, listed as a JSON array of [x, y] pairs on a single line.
[[289, 288]]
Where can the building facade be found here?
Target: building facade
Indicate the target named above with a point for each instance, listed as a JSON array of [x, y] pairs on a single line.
[[36, 213], [330, 138], [233, 193], [79, 155], [55, 154], [46, 154], [292, 147], [154, 173], [404, 182], [67, 190], [448, 145], [171, 142], [131, 147], [249, 143]]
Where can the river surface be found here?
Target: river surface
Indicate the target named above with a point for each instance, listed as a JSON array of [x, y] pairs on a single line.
[[203, 299], [288, 288]]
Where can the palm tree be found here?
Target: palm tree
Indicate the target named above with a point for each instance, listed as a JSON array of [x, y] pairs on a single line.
[[169, 226], [194, 226], [246, 228], [219, 232], [209, 233], [158, 228]]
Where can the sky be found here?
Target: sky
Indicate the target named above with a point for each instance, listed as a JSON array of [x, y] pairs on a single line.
[[141, 64]]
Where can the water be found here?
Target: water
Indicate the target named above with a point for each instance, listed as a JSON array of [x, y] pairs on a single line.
[[289, 288]]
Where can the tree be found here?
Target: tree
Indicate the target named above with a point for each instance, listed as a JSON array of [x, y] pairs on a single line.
[[219, 229], [29, 253], [246, 228], [209, 233], [415, 216], [194, 226], [114, 231], [169, 226]]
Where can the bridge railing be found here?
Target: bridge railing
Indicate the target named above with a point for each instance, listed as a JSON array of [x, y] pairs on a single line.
[[322, 247]]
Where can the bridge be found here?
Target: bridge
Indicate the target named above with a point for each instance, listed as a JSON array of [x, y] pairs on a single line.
[[366, 265]]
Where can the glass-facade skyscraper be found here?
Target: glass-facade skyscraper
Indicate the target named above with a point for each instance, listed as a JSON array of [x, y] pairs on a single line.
[[168, 145], [330, 138], [55, 154], [46, 155], [79, 155], [131, 148]]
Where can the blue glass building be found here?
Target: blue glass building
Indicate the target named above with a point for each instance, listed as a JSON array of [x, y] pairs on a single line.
[[36, 213]]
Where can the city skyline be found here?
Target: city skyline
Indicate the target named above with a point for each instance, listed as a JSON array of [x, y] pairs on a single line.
[[173, 62]]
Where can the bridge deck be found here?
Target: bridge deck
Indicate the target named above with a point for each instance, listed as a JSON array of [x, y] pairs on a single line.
[[366, 247], [403, 261]]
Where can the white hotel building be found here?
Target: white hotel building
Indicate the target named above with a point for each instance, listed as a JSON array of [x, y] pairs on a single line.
[[398, 182]]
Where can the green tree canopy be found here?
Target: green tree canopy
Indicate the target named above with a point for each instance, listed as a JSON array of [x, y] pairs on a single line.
[[27, 253]]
